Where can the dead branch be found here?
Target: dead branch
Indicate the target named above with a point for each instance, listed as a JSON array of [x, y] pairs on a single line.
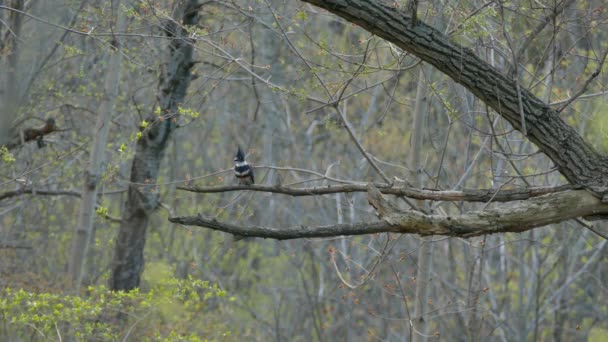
[[515, 217], [473, 195]]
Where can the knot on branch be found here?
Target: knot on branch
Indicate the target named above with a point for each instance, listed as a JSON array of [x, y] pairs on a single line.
[[385, 210]]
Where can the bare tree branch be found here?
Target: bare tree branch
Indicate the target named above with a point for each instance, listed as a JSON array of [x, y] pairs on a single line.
[[476, 195], [538, 29], [28, 190], [300, 232], [12, 245], [44, 192], [587, 82], [516, 217], [33, 191]]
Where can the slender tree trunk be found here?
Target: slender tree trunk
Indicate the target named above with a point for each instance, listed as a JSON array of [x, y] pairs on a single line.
[[269, 106], [9, 86], [425, 252], [560, 314], [16, 22], [82, 232], [474, 325], [142, 199]]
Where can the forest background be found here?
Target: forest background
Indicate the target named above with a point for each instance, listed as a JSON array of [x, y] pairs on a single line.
[[118, 115]]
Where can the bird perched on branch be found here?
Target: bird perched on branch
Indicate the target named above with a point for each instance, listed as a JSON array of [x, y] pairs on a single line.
[[242, 170]]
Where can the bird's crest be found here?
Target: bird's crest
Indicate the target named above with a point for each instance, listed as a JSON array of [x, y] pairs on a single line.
[[240, 156]]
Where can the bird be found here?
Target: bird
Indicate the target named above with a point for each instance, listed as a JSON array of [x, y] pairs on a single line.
[[242, 170]]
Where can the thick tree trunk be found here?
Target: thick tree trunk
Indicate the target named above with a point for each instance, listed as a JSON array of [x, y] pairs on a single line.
[[142, 199], [92, 175], [576, 159]]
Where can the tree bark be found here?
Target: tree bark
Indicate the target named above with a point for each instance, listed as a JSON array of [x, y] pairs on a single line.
[[575, 159], [142, 199]]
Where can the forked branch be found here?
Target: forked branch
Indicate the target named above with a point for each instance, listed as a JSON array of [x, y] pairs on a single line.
[[515, 217]]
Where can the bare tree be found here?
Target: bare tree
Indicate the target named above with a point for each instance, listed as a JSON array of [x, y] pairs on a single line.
[[142, 198]]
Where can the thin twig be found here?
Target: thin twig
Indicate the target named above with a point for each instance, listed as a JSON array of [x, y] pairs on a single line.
[[589, 80]]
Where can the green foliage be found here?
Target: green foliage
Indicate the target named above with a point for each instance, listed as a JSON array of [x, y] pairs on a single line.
[[188, 112], [102, 211], [301, 15], [173, 310], [5, 155], [71, 51]]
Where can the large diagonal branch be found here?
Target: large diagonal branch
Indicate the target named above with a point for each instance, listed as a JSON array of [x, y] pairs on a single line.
[[576, 159], [473, 195], [515, 217]]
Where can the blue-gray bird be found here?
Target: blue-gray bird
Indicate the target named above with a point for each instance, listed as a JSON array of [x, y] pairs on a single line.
[[242, 170]]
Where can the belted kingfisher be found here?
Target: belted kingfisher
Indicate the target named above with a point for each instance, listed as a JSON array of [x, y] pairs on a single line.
[[242, 170]]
